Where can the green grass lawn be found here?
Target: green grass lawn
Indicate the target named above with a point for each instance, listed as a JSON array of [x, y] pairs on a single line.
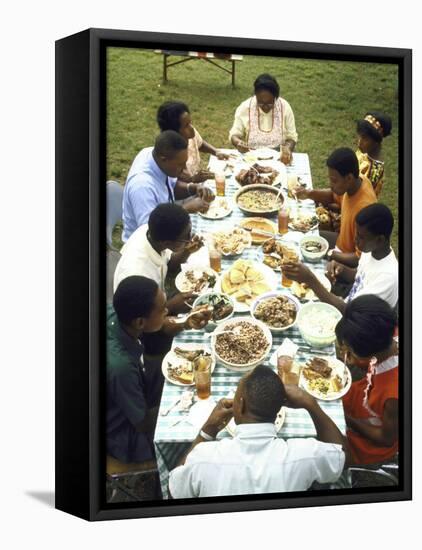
[[326, 97]]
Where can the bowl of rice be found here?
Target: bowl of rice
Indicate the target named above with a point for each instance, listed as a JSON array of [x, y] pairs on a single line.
[[316, 322]]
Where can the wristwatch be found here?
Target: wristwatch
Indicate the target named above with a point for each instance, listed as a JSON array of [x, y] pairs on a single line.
[[206, 436]]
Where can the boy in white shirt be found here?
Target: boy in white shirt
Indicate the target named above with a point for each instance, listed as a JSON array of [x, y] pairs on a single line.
[[377, 271]]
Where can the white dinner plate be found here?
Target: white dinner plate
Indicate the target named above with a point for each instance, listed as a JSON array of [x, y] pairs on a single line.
[[176, 360], [270, 277], [340, 369]]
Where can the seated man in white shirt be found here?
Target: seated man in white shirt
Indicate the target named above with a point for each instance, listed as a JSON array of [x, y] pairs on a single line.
[[377, 271], [160, 246], [256, 461]]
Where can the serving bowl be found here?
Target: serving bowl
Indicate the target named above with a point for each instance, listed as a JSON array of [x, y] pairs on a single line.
[[267, 295], [316, 322], [205, 299], [313, 256], [242, 367], [263, 188]]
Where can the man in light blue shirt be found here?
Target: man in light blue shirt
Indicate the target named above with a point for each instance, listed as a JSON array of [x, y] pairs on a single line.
[[152, 180]]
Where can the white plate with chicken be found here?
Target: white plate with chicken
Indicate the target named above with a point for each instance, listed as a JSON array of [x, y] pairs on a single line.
[[178, 364], [325, 378]]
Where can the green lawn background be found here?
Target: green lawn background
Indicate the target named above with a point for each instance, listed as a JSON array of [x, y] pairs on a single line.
[[327, 98]]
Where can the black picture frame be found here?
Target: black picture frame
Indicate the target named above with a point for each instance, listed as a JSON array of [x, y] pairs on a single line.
[[80, 269]]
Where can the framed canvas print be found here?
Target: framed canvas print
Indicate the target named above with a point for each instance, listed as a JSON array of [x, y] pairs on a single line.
[[233, 274]]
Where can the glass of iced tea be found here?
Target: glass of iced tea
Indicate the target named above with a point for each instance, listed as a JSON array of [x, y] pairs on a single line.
[[284, 368], [290, 256], [215, 259], [202, 377], [220, 184]]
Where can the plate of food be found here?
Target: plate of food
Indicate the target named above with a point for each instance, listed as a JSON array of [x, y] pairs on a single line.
[[279, 421], [265, 172], [196, 279], [304, 223], [245, 281], [219, 208], [260, 229], [262, 153], [245, 346], [179, 363], [259, 199], [273, 250], [325, 378], [232, 240], [303, 292], [222, 304], [277, 310]]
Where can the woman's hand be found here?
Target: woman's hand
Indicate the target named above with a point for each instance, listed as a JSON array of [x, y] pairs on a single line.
[[334, 270], [297, 272], [222, 156], [242, 147]]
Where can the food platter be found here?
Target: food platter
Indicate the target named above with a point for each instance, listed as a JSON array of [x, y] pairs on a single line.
[[304, 223], [219, 209], [259, 224], [245, 281], [231, 240], [330, 387], [196, 279], [182, 365], [279, 421], [259, 200], [267, 172]]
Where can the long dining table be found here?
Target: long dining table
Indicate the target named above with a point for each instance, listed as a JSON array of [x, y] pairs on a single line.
[[174, 433]]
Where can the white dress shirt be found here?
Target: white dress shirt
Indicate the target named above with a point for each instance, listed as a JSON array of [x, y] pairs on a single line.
[[256, 461], [139, 258]]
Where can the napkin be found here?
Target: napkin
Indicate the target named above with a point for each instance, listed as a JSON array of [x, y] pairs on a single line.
[[200, 412]]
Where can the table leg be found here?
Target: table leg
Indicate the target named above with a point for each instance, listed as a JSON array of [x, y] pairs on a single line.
[[165, 68], [233, 72]]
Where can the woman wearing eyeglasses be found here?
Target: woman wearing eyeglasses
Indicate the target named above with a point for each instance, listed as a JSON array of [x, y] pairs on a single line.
[[265, 120]]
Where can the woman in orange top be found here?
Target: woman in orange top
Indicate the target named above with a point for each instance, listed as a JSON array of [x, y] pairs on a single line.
[[371, 405], [371, 131]]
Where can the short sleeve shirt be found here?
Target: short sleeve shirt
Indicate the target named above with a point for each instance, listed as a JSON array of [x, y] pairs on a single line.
[[126, 399]]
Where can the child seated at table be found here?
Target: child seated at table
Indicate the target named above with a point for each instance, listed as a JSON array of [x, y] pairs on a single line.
[[371, 405]]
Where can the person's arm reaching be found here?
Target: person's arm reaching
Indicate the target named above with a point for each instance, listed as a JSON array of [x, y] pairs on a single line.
[[326, 430], [324, 196], [349, 259]]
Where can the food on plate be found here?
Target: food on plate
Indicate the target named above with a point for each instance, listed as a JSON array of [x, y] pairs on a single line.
[[232, 241], [246, 345], [277, 311], [244, 281], [313, 246], [272, 261], [323, 215], [222, 307], [302, 291], [257, 174], [304, 223], [293, 185], [273, 246], [323, 379], [258, 200], [196, 280], [317, 367], [181, 364], [256, 225], [219, 208]]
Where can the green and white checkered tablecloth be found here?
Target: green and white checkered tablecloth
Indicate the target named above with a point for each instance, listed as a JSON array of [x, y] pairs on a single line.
[[174, 434]]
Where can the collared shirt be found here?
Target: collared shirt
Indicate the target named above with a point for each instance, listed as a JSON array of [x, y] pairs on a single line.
[[255, 461], [140, 258], [126, 395], [240, 126], [146, 187], [379, 277]]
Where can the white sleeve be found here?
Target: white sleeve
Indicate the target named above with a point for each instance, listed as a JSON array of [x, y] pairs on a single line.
[[289, 122], [322, 462], [384, 285], [239, 129]]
